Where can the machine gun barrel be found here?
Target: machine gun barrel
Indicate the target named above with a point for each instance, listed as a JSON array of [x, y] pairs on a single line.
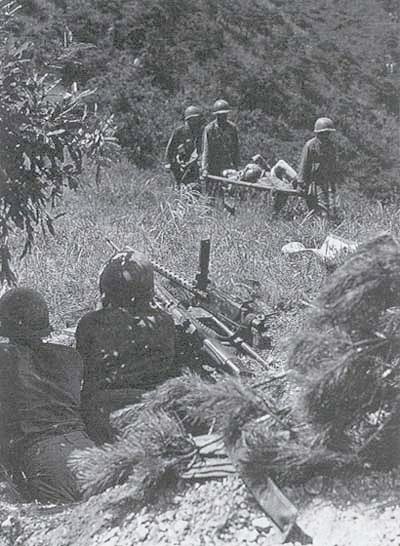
[[178, 280], [216, 301]]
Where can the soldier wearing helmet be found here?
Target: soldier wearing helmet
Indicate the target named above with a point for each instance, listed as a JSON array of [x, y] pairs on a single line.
[[40, 384], [184, 147], [127, 346], [220, 145], [318, 171]]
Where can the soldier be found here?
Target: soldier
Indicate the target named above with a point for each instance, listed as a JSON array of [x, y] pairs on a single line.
[[184, 148], [127, 345], [40, 384], [318, 169], [220, 146]]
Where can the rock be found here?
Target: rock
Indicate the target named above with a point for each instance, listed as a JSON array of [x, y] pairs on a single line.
[[177, 499], [180, 526], [169, 515], [246, 535], [163, 526], [262, 524], [141, 532], [115, 541], [110, 537], [185, 515]]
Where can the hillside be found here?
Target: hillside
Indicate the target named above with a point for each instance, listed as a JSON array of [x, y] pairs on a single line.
[[280, 63]]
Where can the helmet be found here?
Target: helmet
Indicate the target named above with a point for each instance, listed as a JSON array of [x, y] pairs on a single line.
[[192, 112], [126, 277], [251, 173], [23, 314], [221, 106], [323, 124]]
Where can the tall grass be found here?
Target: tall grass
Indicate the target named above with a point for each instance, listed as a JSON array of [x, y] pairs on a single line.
[[140, 209]]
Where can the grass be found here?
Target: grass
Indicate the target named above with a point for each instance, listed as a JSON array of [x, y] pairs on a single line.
[[140, 209]]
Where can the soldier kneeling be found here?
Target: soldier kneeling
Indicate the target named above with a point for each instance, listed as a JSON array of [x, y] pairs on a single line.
[[40, 420], [127, 346]]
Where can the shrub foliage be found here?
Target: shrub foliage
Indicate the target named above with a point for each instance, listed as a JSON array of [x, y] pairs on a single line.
[[45, 135]]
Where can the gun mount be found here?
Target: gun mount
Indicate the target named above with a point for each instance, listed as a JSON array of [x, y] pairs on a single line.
[[243, 317]]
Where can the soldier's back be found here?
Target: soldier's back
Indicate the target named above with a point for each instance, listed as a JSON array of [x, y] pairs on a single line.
[[127, 349]]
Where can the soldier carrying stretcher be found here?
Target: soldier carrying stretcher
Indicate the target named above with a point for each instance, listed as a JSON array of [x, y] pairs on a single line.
[[184, 148], [318, 172]]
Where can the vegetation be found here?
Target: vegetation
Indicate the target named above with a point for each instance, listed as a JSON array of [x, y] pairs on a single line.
[[140, 209], [44, 137], [280, 63]]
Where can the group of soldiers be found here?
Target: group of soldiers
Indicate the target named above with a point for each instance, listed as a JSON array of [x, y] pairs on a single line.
[[197, 150], [55, 399]]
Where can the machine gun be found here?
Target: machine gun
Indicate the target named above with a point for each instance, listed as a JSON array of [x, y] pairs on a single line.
[[207, 340], [222, 324], [238, 319]]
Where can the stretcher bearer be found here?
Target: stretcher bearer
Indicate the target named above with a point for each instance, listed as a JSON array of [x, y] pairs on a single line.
[[220, 146], [183, 151], [318, 171]]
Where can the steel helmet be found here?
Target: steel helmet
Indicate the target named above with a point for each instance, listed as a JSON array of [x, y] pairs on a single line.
[[24, 314], [323, 124], [128, 276], [192, 112], [221, 106]]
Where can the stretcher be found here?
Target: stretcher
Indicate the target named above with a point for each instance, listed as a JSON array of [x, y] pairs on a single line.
[[268, 183]]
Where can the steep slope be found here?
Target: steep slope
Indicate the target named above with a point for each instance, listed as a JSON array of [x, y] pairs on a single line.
[[281, 63]]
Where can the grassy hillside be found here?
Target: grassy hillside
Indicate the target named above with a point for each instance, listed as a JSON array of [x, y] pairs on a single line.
[[140, 209], [280, 63]]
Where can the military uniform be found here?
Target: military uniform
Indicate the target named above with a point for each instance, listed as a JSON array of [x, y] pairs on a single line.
[[41, 420], [220, 150], [318, 173], [127, 345], [122, 350], [183, 153]]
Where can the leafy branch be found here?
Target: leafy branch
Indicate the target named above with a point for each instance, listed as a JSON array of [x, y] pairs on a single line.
[[45, 135]]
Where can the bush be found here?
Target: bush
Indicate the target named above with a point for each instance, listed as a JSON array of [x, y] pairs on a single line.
[[45, 137]]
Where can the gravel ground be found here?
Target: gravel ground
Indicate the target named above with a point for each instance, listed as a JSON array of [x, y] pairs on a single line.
[[361, 511], [353, 513]]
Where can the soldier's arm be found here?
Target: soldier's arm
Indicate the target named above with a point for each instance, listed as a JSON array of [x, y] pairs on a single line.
[[95, 413], [205, 153], [304, 175], [171, 149], [236, 149], [335, 172]]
